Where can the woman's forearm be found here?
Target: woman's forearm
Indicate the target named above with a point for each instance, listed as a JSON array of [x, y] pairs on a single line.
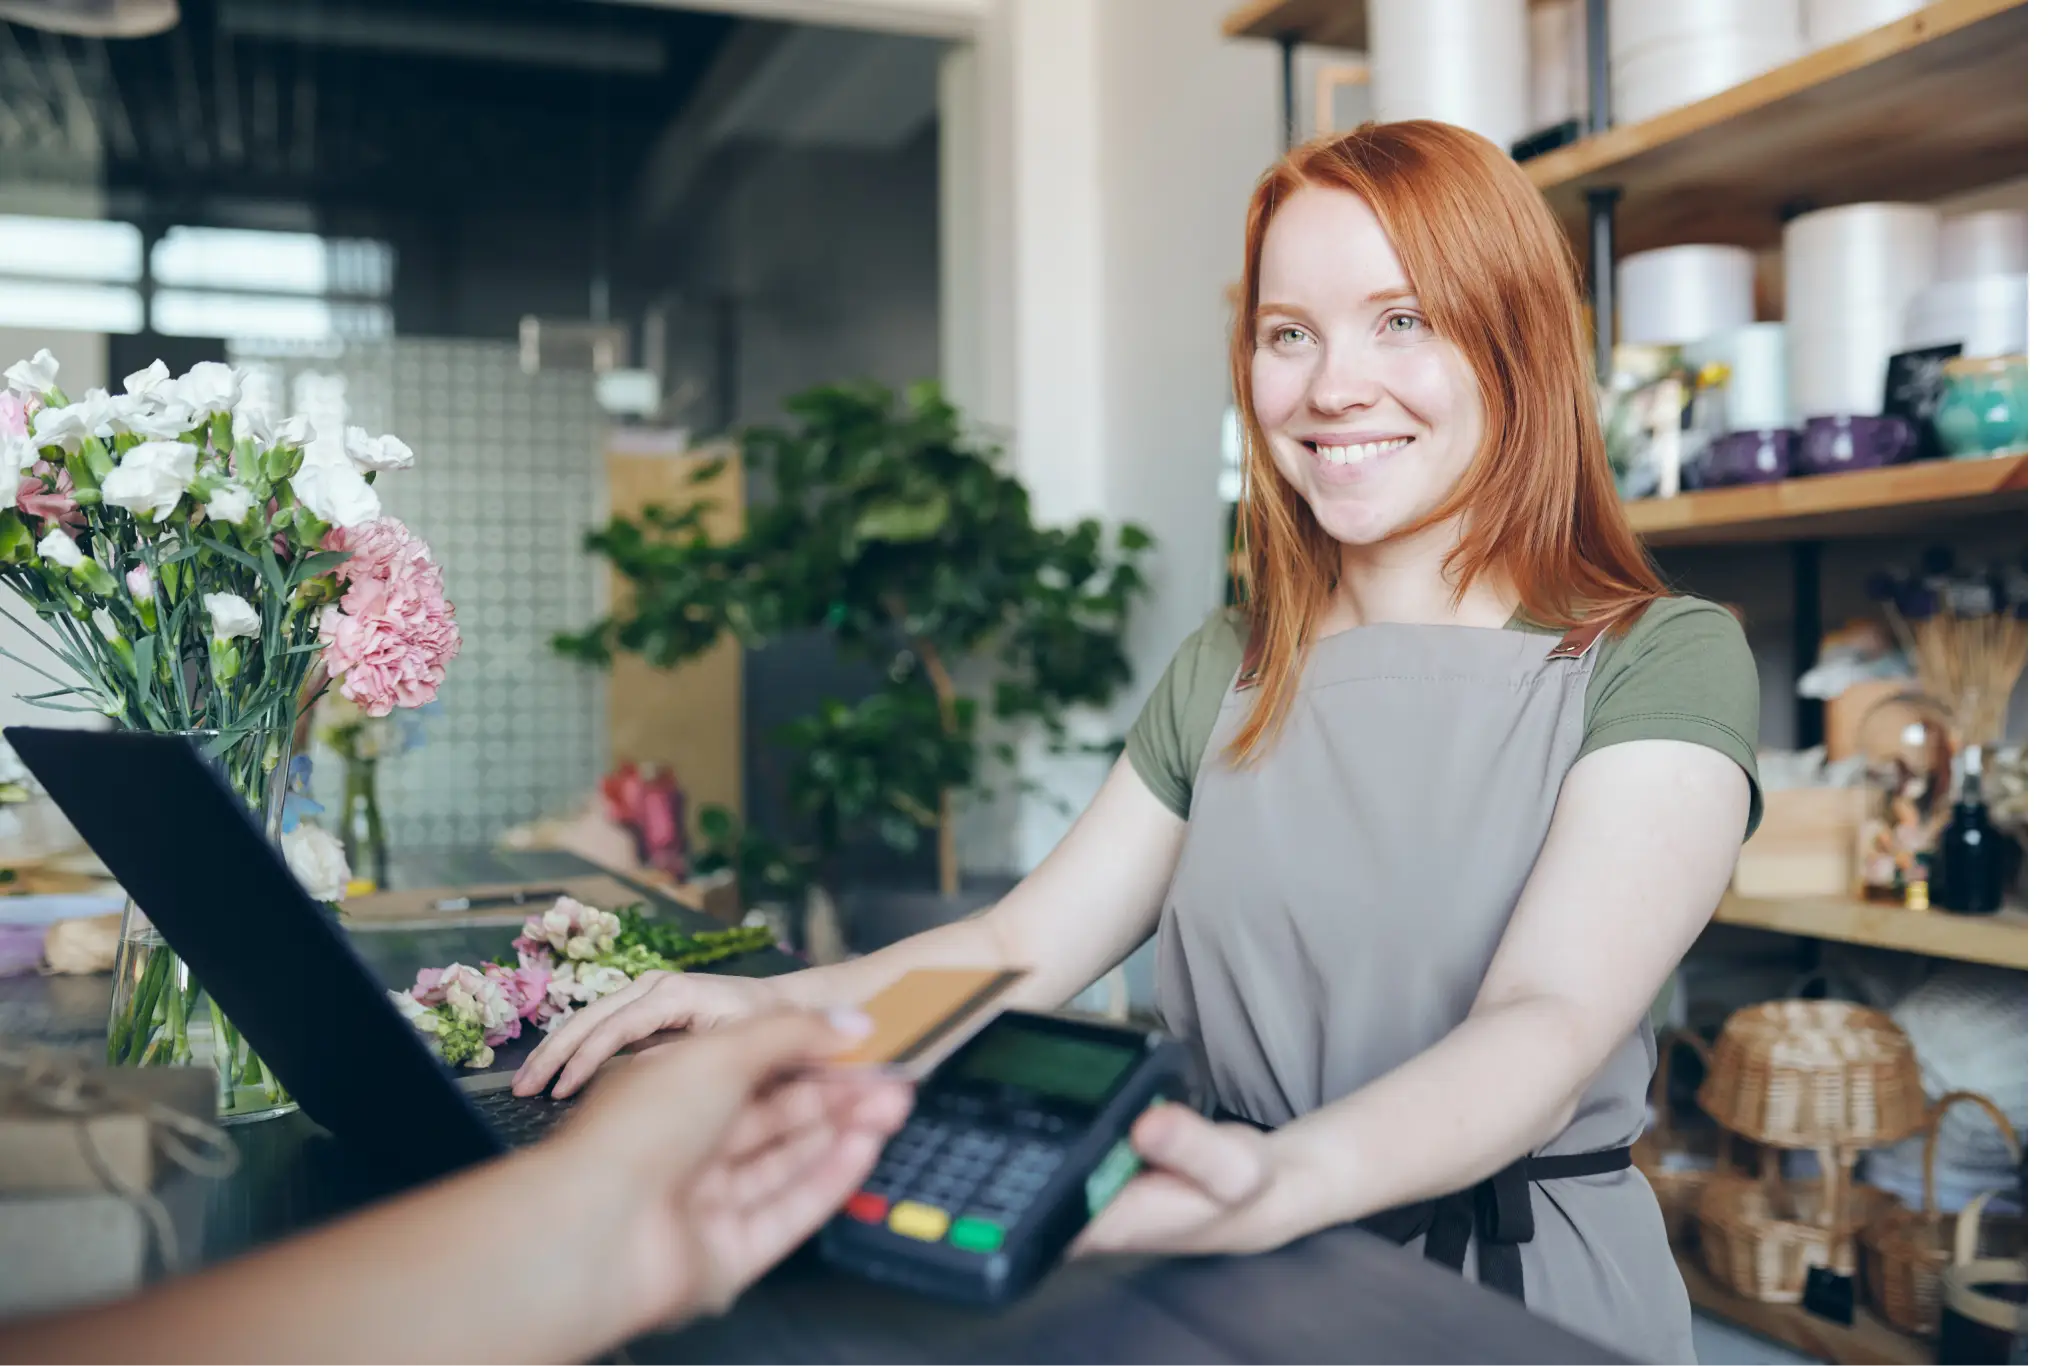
[[1495, 1089], [965, 943], [1081, 912], [428, 1277]]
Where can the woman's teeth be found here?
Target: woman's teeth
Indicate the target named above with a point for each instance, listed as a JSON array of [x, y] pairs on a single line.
[[1351, 455]]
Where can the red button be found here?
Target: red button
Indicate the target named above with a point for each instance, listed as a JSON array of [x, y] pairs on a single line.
[[868, 1207]]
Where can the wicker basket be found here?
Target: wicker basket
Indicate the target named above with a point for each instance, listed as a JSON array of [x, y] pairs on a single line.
[[1814, 1074], [1904, 1253], [1759, 1235], [1678, 1188]]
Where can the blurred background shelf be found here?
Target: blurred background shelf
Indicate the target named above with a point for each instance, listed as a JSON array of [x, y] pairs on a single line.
[[1874, 502], [1999, 940], [1332, 23], [1921, 108], [1867, 1340]]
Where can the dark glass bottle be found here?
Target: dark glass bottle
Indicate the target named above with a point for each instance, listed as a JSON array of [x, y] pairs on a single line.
[[1972, 849]]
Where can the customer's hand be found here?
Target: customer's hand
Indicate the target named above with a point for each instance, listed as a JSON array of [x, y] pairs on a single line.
[[723, 1157], [655, 1001], [1203, 1191]]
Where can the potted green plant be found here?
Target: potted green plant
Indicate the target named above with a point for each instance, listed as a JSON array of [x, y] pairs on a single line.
[[887, 525]]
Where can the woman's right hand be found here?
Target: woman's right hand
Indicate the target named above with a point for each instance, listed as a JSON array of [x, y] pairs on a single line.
[[654, 1002]]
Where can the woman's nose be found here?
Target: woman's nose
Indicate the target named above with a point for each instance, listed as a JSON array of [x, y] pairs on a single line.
[[1346, 379]]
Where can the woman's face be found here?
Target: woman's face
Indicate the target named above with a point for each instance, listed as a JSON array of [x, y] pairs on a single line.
[[1371, 415]]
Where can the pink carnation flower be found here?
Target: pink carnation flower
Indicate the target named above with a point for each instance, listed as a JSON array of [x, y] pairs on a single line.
[[393, 635], [13, 414], [50, 498]]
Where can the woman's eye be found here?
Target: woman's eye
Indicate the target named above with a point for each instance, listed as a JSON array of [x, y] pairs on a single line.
[[1405, 323], [1289, 335]]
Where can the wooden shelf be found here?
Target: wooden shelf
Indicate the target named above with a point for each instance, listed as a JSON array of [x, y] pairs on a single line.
[[1919, 109], [1867, 1341], [1999, 940], [1873, 502], [1333, 23]]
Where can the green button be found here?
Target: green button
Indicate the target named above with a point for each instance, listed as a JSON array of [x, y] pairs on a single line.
[[977, 1235]]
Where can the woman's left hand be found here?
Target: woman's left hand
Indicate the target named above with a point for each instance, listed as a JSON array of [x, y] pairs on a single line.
[[1206, 1190]]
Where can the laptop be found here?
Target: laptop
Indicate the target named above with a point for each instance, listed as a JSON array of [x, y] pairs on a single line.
[[191, 854]]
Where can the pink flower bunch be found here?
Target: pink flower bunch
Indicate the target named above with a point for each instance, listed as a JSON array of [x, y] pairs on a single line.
[[526, 987], [568, 928], [393, 635], [472, 997]]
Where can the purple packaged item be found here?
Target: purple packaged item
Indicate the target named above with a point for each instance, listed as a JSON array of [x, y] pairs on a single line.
[[1835, 444], [21, 949], [1759, 457]]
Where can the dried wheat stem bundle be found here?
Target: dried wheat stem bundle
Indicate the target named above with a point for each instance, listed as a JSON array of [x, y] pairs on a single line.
[[1970, 665]]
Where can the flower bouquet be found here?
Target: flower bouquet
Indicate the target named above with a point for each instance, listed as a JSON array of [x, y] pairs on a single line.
[[205, 567], [569, 956]]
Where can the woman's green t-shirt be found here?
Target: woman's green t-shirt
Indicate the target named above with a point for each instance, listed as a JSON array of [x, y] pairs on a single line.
[[1684, 671]]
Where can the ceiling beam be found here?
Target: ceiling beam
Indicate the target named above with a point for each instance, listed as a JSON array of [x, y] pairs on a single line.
[[954, 19], [686, 144], [557, 45]]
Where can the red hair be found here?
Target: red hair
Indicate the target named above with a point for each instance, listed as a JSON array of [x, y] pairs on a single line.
[[1490, 266]]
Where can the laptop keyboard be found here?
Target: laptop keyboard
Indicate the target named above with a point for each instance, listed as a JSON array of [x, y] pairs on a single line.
[[521, 1120]]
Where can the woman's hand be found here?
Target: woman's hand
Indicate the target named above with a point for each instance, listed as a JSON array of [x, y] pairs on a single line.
[[654, 1002], [1210, 1189], [725, 1152]]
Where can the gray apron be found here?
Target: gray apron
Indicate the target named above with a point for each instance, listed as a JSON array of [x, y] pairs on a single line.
[[1337, 904]]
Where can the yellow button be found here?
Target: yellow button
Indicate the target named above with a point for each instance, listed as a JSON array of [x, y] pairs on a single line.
[[921, 1222]]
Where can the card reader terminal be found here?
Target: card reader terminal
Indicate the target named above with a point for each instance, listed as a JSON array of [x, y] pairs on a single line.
[[1015, 1142]]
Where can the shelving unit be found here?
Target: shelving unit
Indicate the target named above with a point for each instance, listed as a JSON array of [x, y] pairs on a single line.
[[1932, 104], [1868, 1340], [1999, 940], [1904, 498]]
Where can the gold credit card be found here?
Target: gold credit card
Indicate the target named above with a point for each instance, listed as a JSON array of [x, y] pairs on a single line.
[[921, 1017]]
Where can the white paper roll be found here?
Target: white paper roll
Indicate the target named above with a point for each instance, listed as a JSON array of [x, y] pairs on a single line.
[[1833, 21], [1988, 315], [1841, 371], [1771, 25], [1459, 61], [1557, 62], [1759, 392], [1668, 75], [1989, 242], [1676, 295], [1865, 259]]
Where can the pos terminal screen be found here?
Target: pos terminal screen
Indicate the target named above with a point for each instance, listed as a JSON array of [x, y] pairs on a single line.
[[1052, 1064]]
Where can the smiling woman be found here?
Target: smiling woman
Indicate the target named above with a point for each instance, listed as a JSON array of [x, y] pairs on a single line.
[[1423, 829]]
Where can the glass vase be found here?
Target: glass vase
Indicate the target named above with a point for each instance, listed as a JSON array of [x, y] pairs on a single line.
[[363, 841], [161, 1015]]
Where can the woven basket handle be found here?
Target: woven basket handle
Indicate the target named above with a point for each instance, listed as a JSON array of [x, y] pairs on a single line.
[[1930, 1208], [1967, 1224]]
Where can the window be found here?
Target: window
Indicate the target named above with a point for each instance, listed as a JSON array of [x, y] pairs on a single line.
[[237, 284]]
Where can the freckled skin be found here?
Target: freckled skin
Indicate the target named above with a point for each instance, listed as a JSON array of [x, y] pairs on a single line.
[[1344, 348]]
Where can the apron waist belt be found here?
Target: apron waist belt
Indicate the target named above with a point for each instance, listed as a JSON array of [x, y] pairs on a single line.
[[1497, 1211]]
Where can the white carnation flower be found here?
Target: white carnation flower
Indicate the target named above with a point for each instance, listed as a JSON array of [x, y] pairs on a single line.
[[147, 381], [208, 388], [316, 859], [232, 616], [231, 503], [152, 478], [375, 454], [333, 491], [34, 377], [59, 549]]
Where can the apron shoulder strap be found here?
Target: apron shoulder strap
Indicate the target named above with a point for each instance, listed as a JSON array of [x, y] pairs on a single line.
[[1580, 639]]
